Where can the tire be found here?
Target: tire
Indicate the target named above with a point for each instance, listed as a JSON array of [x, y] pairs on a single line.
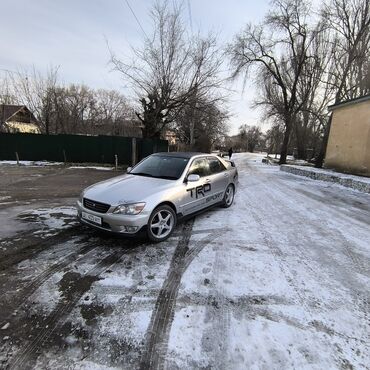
[[229, 196], [161, 223]]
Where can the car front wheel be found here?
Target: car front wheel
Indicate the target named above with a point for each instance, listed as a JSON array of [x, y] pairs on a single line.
[[161, 223], [228, 197]]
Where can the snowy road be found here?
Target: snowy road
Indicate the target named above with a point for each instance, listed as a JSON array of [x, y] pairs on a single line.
[[279, 280]]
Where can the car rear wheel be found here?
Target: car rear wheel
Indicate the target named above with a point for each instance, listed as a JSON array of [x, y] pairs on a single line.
[[161, 223], [229, 196]]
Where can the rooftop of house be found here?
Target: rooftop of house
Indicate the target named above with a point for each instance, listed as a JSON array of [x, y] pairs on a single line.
[[349, 102], [7, 111]]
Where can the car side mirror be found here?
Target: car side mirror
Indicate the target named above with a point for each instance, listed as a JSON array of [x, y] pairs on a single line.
[[193, 178], [129, 169]]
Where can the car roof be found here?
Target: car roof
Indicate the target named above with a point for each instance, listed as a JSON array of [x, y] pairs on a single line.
[[181, 154]]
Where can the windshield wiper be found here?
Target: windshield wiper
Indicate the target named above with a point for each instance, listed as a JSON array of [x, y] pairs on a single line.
[[141, 174], [167, 177]]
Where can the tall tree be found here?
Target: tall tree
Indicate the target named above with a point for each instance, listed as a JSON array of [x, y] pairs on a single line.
[[206, 127], [251, 136], [171, 69], [277, 50], [36, 91]]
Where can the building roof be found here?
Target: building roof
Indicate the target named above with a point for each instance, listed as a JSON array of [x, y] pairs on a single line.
[[349, 102], [7, 111]]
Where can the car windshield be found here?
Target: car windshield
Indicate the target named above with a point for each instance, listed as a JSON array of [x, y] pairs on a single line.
[[163, 167]]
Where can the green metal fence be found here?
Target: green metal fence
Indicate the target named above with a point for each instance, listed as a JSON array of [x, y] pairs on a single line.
[[78, 148]]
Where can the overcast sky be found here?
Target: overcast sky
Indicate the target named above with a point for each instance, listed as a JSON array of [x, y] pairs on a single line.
[[72, 34]]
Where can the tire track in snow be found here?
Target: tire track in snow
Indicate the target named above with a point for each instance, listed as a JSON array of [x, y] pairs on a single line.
[[360, 300], [36, 246], [160, 322], [268, 239], [23, 294], [71, 297], [157, 335], [282, 199], [218, 313]]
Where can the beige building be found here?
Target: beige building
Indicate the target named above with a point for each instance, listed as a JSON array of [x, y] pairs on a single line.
[[348, 147]]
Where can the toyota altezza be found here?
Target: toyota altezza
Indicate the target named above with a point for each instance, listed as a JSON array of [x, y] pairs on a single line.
[[157, 192]]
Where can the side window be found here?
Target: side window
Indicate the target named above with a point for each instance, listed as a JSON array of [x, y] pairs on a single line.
[[215, 166], [199, 167]]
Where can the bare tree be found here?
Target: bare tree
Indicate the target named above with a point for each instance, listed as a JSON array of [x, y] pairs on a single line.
[[170, 70], [277, 49], [208, 124], [251, 137], [7, 95], [36, 92], [315, 93], [67, 109], [274, 138]]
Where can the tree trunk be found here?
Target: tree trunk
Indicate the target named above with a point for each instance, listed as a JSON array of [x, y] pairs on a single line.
[[320, 158], [301, 150], [284, 147], [301, 142]]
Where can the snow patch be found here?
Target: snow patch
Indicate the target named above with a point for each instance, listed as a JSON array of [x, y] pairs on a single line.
[[350, 181], [52, 218], [32, 163], [91, 168]]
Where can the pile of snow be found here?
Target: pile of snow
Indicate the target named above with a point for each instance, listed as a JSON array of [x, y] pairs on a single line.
[[32, 163], [92, 168], [349, 181]]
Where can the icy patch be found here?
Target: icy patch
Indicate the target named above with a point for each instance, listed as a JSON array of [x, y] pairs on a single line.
[[52, 218], [47, 296]]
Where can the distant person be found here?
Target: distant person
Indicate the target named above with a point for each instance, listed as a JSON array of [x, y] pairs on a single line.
[[230, 152]]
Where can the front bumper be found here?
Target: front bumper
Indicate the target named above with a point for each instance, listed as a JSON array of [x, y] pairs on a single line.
[[114, 223]]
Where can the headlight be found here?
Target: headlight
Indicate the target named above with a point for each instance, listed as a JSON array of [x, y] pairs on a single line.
[[129, 209]]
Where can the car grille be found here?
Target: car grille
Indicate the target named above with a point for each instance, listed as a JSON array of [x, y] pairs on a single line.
[[96, 206]]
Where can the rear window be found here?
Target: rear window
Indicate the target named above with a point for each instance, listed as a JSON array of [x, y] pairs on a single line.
[[164, 167]]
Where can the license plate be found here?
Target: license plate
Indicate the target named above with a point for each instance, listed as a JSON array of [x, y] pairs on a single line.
[[92, 218]]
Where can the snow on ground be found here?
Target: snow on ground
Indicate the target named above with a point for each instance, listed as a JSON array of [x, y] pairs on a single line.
[[48, 163], [32, 163], [359, 183], [279, 280], [53, 218], [286, 284], [91, 168]]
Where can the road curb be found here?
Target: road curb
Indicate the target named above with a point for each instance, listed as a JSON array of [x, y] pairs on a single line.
[[349, 181]]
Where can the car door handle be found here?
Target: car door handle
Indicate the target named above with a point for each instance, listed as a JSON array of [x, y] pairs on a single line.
[[208, 181], [226, 175]]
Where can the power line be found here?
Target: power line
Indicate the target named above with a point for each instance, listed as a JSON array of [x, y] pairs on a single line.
[[137, 20]]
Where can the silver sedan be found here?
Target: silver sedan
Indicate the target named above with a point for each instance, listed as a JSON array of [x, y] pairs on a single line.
[[157, 192]]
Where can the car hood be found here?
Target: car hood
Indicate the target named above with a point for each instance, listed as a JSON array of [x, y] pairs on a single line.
[[126, 189]]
